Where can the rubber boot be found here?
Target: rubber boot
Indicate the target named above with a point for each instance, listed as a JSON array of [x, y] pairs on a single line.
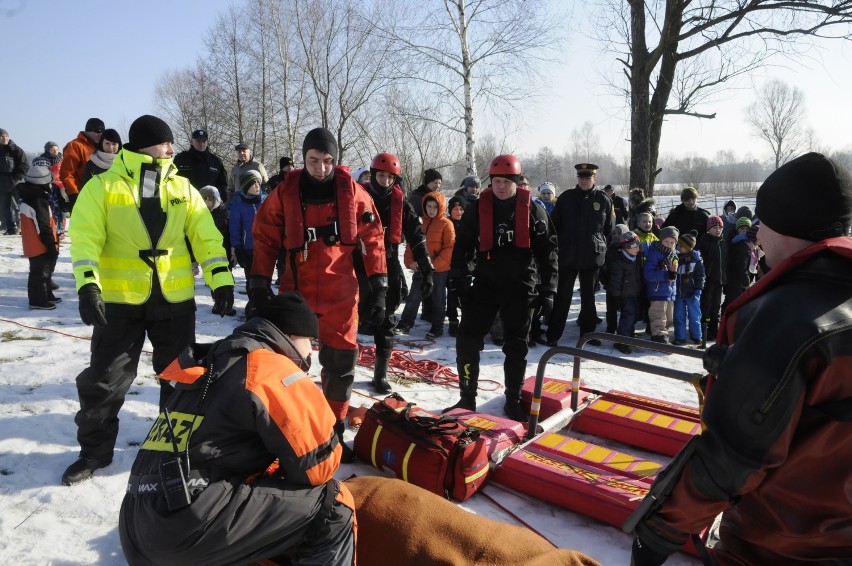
[[468, 382], [380, 371], [347, 456], [513, 408]]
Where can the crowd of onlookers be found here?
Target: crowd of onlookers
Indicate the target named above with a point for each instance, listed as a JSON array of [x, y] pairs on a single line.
[[674, 271]]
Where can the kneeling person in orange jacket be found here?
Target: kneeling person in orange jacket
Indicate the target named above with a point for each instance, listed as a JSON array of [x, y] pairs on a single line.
[[205, 489]]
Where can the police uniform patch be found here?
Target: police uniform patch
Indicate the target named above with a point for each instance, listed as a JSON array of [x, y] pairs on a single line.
[[596, 205]]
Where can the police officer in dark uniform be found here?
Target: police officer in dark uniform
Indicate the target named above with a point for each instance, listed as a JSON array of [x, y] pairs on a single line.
[[512, 238], [583, 218], [201, 166], [398, 219]]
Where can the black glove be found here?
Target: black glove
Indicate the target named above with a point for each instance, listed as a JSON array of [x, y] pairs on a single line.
[[671, 275], [426, 269], [378, 294], [223, 299], [643, 555], [92, 308], [543, 303], [258, 292], [460, 286]]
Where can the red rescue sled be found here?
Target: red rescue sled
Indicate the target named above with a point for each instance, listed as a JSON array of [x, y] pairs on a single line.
[[586, 473]]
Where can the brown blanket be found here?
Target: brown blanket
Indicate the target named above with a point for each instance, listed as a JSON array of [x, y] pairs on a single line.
[[402, 524]]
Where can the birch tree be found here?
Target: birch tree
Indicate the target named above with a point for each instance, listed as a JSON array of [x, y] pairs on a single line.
[[475, 56]]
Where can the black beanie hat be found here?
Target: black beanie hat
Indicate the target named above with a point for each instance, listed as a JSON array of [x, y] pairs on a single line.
[[322, 140], [148, 130], [291, 314], [286, 161], [109, 135], [430, 175], [819, 183], [94, 125]]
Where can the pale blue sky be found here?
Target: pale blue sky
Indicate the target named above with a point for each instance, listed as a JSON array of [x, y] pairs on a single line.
[[66, 61]]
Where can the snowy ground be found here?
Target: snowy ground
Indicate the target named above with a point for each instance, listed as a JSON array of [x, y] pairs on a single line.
[[41, 352]]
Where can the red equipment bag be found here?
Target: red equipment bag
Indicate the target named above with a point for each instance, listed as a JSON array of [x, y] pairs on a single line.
[[435, 452]]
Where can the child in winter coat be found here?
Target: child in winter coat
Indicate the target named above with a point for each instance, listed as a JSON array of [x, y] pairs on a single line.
[[690, 284], [440, 239], [714, 253], [456, 208], [613, 304], [660, 273], [221, 216], [646, 231], [741, 264], [625, 282], [243, 210], [38, 232]]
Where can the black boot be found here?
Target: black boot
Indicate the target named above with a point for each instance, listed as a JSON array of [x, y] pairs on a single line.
[[513, 408], [348, 456], [467, 388], [380, 371], [82, 469]]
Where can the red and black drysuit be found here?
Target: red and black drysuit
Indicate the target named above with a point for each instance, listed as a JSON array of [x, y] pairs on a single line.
[[398, 219], [774, 458], [510, 239], [255, 408], [319, 224]]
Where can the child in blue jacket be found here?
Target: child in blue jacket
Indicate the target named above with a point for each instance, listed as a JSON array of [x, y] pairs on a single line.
[[244, 207], [690, 283], [660, 273]]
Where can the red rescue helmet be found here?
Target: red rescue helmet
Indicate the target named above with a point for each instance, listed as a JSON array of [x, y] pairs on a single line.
[[503, 165], [387, 162]]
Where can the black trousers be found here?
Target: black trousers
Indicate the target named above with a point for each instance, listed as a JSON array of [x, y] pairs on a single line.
[[38, 282], [562, 303], [115, 353], [477, 315], [711, 302]]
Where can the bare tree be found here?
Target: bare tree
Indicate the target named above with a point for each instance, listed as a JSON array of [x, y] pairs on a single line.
[[585, 143], [696, 46], [692, 170], [344, 59], [473, 54], [546, 160], [778, 118]]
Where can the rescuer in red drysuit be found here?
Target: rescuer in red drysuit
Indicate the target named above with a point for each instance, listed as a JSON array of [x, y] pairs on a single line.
[[319, 215]]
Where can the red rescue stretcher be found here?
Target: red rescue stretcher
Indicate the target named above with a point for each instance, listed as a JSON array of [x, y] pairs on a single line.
[[583, 472]]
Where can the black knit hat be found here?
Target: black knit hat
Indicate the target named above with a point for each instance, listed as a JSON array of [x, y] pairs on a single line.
[[322, 140], [109, 135], [291, 314], [148, 130], [430, 175], [286, 161], [94, 125], [809, 198]]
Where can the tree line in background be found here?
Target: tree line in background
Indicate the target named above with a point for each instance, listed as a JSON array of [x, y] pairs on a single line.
[[417, 80]]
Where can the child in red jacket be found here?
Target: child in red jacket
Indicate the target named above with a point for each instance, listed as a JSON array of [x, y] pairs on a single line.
[[38, 232]]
